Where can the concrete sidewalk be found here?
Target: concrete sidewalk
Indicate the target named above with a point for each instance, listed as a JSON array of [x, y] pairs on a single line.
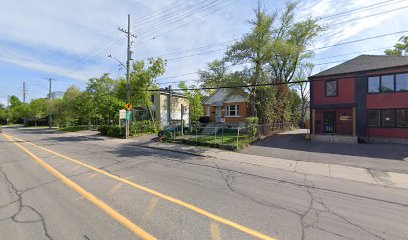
[[370, 176]]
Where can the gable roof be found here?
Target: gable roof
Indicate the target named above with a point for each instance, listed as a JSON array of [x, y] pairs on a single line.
[[219, 97], [365, 63]]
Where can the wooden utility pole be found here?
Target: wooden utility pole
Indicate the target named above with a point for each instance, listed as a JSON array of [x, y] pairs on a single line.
[[49, 102], [129, 58], [24, 92]]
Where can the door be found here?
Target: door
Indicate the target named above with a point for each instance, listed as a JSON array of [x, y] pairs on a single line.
[[329, 122], [218, 114]]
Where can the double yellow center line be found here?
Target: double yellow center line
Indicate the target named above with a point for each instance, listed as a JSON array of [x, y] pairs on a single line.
[[137, 230]]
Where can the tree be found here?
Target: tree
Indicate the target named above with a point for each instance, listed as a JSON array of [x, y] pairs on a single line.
[[142, 80], [400, 49], [289, 42], [17, 110], [37, 109], [302, 74], [254, 49], [195, 101], [214, 75], [3, 115]]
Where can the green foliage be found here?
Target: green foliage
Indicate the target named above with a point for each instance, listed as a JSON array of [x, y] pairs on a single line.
[[112, 131], [400, 48], [143, 127], [3, 115], [38, 109], [251, 123], [142, 79], [195, 101]]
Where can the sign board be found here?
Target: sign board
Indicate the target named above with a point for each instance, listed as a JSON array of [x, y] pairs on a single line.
[[128, 115], [128, 106], [345, 118], [223, 120], [122, 114]]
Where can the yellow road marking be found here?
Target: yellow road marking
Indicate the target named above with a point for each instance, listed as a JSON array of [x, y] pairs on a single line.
[[215, 231], [150, 209], [102, 205], [163, 196]]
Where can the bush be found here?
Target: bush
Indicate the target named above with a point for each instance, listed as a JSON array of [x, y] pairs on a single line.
[[112, 131], [74, 128], [145, 126], [204, 119], [251, 123]]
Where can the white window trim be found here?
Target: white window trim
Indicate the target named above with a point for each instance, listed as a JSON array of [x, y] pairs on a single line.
[[228, 111]]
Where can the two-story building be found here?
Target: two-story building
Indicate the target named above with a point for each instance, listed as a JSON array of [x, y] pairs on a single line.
[[365, 98]]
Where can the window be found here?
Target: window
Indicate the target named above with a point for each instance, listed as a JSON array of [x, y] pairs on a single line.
[[402, 82], [402, 118], [331, 88], [233, 111], [388, 118], [373, 84], [387, 83], [374, 119]]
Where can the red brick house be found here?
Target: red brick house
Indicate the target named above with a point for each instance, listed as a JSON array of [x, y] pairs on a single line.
[[365, 97], [223, 105]]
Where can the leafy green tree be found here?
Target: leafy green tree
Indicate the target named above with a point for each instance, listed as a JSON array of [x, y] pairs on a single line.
[[303, 87], [142, 79], [214, 75], [38, 109], [400, 49], [3, 115], [18, 110], [195, 101]]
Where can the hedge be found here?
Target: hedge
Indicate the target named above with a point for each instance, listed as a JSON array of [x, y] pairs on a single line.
[[112, 131]]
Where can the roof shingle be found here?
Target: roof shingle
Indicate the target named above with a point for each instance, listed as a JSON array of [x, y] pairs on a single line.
[[365, 63]]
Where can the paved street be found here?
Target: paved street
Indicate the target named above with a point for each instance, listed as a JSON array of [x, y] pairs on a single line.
[[56, 185]]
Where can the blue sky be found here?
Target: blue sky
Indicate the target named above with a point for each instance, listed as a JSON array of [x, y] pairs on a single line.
[[69, 40]]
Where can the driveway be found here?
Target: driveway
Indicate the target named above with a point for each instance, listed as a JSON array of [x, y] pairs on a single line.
[[292, 145]]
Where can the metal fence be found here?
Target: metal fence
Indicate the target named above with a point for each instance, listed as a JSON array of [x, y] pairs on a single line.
[[228, 138]]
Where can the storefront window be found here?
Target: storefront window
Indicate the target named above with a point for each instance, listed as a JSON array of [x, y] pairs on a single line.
[[388, 118], [374, 119], [402, 118]]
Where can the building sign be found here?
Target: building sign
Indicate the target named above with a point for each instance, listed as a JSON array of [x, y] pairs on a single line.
[[122, 114], [345, 118]]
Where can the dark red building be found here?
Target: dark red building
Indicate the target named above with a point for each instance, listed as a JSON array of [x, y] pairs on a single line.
[[365, 97]]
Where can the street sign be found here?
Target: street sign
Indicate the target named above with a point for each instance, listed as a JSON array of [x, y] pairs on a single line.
[[122, 114], [128, 115], [128, 106]]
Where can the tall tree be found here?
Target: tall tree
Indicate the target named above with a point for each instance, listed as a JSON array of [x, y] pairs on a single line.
[[143, 79], [303, 87], [400, 48], [195, 101], [289, 42], [38, 109], [254, 49]]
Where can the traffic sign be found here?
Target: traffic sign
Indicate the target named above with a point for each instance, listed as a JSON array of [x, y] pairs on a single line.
[[128, 106], [128, 115], [122, 114]]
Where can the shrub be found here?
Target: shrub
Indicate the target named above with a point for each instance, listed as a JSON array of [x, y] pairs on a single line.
[[145, 126], [204, 119], [251, 123], [112, 131]]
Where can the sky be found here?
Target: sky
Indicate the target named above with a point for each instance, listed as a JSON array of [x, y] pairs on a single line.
[[70, 40]]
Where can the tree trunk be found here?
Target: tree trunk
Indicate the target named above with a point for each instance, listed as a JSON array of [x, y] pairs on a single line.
[[252, 108], [281, 97]]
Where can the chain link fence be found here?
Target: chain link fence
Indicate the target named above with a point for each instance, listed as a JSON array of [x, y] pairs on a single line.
[[222, 137]]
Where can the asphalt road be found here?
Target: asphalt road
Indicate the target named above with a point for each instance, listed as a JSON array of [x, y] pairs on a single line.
[[58, 186]]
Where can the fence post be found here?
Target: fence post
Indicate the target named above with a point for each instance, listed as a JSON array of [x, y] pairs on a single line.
[[238, 139], [215, 135], [222, 139]]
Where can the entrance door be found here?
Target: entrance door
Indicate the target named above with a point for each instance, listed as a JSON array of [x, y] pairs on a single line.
[[329, 122], [218, 114]]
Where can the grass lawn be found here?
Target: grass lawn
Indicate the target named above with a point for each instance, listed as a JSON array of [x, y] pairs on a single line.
[[229, 139], [74, 128]]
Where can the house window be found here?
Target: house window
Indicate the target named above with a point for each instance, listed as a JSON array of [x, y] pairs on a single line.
[[233, 111], [401, 82], [331, 88], [387, 83], [402, 118], [388, 118], [374, 119], [373, 84]]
